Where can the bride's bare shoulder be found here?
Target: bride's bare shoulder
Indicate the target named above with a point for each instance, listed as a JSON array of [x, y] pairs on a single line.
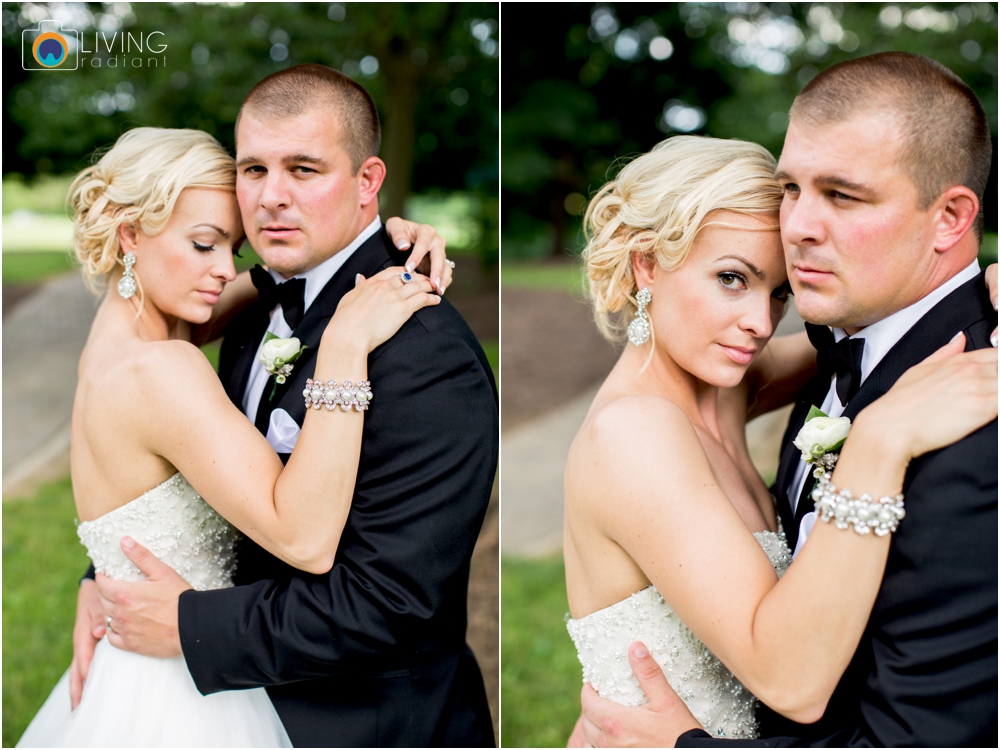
[[626, 441], [637, 418], [160, 373]]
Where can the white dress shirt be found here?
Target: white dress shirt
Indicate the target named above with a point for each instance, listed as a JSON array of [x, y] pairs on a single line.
[[316, 278], [879, 338]]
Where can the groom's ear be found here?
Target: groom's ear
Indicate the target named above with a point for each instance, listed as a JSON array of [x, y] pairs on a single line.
[[954, 214], [371, 176]]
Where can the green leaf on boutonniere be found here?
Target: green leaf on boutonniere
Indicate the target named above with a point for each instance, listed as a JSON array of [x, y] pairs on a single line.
[[814, 412]]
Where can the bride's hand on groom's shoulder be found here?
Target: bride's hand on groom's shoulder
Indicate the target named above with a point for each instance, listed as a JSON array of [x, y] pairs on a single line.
[[935, 403], [428, 255], [657, 724], [376, 308]]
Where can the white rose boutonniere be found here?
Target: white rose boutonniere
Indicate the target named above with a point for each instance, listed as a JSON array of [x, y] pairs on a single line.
[[277, 355], [821, 437]]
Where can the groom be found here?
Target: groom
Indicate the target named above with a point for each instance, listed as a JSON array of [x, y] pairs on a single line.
[[372, 653], [884, 167]]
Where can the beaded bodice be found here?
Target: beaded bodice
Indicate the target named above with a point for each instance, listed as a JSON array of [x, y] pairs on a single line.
[[716, 698], [174, 523]]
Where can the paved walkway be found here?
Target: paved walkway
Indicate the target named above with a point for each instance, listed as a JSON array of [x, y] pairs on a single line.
[[532, 462], [42, 340]]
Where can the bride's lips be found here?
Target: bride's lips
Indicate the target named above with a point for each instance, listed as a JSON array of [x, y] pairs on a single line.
[[210, 297], [809, 275], [739, 354]]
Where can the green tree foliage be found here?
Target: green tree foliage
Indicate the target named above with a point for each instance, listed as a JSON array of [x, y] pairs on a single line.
[[609, 80], [432, 69]]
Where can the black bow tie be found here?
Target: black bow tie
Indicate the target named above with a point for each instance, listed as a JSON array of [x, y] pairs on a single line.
[[289, 294], [841, 358]]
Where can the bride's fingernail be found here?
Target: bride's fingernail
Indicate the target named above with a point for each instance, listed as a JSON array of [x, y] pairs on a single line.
[[410, 267], [403, 244], [639, 651], [994, 301], [955, 336], [993, 339], [128, 542]]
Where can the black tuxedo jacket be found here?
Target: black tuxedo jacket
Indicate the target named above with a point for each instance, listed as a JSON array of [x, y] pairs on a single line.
[[925, 672], [372, 653]]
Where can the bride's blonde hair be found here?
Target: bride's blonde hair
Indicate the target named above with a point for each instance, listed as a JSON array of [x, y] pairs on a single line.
[[137, 181], [657, 205]]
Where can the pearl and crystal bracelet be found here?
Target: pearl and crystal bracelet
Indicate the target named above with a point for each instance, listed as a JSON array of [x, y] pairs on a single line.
[[317, 393], [865, 513]]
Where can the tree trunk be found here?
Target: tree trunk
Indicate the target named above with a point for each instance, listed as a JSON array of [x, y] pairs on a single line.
[[398, 137]]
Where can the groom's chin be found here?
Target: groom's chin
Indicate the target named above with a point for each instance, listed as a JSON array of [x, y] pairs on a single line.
[[820, 309]]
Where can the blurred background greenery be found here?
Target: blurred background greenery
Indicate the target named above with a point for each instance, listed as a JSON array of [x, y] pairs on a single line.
[[432, 68], [609, 80], [433, 71], [600, 82]]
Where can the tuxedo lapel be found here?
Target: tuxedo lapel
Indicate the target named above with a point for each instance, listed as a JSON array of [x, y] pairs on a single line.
[[366, 260], [813, 393], [238, 350], [956, 312]]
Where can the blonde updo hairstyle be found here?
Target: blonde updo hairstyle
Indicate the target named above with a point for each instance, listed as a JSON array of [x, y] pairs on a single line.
[[137, 182], [657, 205]]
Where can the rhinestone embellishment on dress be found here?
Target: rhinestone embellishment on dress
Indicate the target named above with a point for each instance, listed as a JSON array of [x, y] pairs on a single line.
[[174, 523], [716, 698]]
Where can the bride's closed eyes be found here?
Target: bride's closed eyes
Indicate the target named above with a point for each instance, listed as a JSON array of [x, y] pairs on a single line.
[[207, 248]]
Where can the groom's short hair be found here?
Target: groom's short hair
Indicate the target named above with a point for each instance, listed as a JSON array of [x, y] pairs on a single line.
[[944, 127], [295, 90]]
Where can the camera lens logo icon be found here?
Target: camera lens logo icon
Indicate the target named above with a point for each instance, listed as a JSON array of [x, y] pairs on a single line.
[[50, 49]]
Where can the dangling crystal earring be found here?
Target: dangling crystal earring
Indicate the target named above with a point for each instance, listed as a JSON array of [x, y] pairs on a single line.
[[126, 285], [638, 329]]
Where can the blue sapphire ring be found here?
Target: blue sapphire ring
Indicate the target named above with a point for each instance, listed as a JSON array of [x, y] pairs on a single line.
[[405, 276]]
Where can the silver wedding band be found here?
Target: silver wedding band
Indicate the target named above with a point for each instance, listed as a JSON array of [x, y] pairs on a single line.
[[107, 623], [450, 263]]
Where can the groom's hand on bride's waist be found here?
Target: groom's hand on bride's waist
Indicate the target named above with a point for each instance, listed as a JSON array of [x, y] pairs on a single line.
[[657, 724], [87, 631], [143, 614]]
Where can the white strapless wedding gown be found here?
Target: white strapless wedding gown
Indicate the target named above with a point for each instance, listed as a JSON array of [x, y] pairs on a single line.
[[138, 701], [716, 698]]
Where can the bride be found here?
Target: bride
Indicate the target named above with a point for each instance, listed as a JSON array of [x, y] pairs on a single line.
[[149, 412], [671, 537]]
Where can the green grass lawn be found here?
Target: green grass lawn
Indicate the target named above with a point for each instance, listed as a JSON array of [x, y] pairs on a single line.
[[28, 232], [557, 277], [43, 562], [35, 267], [491, 347], [540, 676]]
